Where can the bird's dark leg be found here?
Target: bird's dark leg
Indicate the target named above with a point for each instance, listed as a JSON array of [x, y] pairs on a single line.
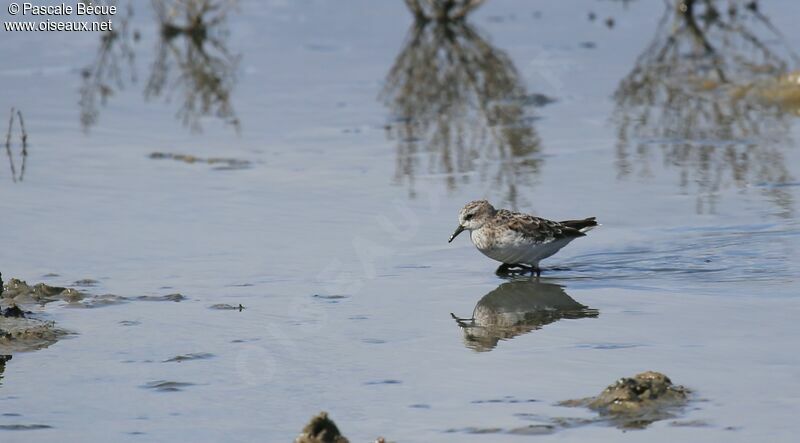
[[534, 270], [503, 269], [507, 269]]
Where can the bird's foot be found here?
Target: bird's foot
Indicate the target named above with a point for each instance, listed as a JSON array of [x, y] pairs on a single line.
[[509, 269]]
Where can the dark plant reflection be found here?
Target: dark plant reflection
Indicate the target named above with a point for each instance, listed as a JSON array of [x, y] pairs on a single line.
[[16, 117], [441, 10], [112, 67], [193, 46], [515, 308], [712, 98], [192, 63], [459, 106]]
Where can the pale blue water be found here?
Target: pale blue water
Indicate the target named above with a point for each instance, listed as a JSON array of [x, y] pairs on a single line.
[[334, 237]]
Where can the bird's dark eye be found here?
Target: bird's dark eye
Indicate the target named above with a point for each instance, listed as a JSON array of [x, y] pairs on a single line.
[[468, 216]]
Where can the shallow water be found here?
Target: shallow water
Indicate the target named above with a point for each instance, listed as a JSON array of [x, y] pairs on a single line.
[[331, 227]]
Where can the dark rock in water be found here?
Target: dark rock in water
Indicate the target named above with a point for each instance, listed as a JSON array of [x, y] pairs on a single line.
[[166, 385], [227, 307], [20, 427], [321, 429], [635, 402], [169, 297], [192, 356], [14, 311], [20, 291], [86, 282], [223, 163], [19, 334]]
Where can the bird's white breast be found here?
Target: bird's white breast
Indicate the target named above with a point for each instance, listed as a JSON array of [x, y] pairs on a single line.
[[509, 246]]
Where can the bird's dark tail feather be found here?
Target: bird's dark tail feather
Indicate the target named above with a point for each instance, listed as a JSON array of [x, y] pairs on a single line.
[[581, 225]]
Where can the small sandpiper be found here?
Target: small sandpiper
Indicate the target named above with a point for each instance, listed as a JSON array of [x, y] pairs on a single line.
[[515, 239]]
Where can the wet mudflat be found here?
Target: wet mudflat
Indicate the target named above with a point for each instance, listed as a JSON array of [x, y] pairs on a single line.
[[285, 181]]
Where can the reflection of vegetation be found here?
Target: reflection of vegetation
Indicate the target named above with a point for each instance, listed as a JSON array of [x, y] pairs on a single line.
[[685, 94], [441, 10], [515, 308], [16, 114], [205, 66], [191, 58], [3, 360], [462, 99], [105, 74]]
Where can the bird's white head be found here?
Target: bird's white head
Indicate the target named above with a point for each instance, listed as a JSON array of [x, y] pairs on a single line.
[[473, 215]]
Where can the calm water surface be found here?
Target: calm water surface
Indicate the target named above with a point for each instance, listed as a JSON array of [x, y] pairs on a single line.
[[353, 138]]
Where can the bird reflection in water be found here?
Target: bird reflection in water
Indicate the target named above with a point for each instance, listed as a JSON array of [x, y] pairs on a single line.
[[192, 59], [459, 105], [3, 360], [703, 92], [515, 308]]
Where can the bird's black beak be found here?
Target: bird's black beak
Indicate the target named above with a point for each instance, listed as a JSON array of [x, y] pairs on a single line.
[[459, 229]]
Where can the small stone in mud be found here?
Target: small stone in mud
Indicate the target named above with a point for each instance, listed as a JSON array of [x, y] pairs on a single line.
[[331, 296], [166, 386], [321, 429], [169, 297], [224, 163], [690, 424], [507, 399], [192, 356], [70, 295], [227, 307], [23, 427], [635, 402], [384, 382], [533, 430], [474, 430], [85, 282]]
